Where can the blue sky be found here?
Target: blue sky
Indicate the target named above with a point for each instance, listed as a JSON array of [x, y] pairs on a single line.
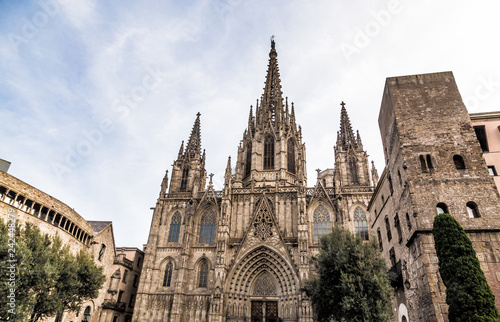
[[97, 96]]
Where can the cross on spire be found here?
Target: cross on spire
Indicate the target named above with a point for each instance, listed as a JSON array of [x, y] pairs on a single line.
[[342, 104]]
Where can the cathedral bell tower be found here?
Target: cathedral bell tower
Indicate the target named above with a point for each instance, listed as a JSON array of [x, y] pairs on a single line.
[[351, 162], [188, 172], [271, 152]]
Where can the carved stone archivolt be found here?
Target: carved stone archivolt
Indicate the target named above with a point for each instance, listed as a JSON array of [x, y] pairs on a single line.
[[263, 260]]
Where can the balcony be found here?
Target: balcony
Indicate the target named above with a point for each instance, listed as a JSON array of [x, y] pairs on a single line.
[[113, 305], [122, 260], [396, 275]]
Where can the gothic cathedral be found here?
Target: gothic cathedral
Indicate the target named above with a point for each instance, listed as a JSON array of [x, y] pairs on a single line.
[[242, 254]]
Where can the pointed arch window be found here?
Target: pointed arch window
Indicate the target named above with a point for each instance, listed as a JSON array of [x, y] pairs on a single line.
[[248, 164], [207, 227], [354, 170], [321, 219], [86, 314], [203, 274], [184, 180], [269, 153], [175, 227], [291, 156], [360, 224], [167, 278], [472, 210], [459, 162]]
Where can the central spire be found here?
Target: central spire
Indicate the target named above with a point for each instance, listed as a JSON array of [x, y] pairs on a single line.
[[345, 137], [194, 144], [271, 106]]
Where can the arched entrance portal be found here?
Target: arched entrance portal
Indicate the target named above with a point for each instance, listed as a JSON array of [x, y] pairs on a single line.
[[262, 287], [264, 303]]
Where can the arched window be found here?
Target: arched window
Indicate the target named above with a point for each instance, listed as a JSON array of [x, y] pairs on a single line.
[[248, 165], [203, 275], [353, 169], [86, 314], [101, 252], [175, 227], [207, 227], [472, 210], [184, 180], [167, 278], [321, 219], [269, 153], [459, 162], [291, 156], [442, 208], [360, 224]]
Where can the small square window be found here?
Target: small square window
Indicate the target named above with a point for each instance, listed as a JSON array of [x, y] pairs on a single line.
[[492, 171]]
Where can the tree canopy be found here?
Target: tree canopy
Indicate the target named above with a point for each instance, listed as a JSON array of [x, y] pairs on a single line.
[[468, 294], [351, 281], [48, 278]]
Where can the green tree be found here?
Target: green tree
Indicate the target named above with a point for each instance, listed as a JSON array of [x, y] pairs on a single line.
[[467, 293], [49, 278], [351, 281]]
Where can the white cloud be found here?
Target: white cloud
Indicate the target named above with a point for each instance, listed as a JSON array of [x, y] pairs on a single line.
[[61, 84]]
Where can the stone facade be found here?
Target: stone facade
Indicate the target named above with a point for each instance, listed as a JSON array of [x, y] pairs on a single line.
[[119, 303], [53, 217], [486, 126], [243, 253], [433, 164]]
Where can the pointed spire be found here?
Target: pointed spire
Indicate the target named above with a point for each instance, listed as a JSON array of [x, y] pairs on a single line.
[[272, 100], [181, 150], [250, 120], [229, 172], [292, 116], [374, 174], [194, 144], [164, 185], [287, 115], [346, 136], [358, 140]]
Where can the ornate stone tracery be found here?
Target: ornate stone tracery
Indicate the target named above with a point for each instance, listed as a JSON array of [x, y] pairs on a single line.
[[264, 285]]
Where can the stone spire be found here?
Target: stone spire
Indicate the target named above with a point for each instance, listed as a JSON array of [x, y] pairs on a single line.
[[193, 148], [271, 105], [345, 137], [374, 175]]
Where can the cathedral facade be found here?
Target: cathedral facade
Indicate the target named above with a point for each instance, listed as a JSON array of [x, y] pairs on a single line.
[[243, 253]]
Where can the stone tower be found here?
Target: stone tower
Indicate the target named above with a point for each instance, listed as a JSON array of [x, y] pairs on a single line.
[[243, 253], [433, 164]]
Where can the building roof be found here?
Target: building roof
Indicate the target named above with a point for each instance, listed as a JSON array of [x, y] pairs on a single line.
[[99, 225]]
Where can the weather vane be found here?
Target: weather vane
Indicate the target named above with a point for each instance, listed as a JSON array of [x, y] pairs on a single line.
[[272, 41]]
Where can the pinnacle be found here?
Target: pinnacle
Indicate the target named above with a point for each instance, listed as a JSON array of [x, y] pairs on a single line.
[[193, 147], [346, 136]]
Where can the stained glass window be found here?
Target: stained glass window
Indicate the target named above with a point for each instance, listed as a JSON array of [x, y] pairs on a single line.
[[203, 274], [184, 180], [321, 219], [291, 156], [269, 153], [175, 227], [167, 278], [207, 227], [360, 224], [248, 165]]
